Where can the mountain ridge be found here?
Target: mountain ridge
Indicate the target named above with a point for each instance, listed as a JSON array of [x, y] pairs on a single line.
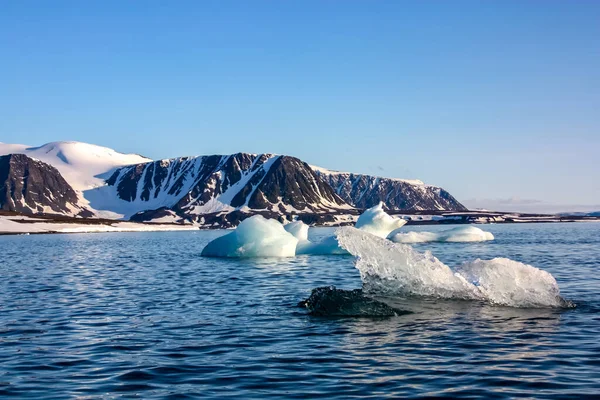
[[123, 186]]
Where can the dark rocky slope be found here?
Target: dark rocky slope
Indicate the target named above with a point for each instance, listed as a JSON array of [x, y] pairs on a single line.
[[195, 186], [365, 191], [32, 187]]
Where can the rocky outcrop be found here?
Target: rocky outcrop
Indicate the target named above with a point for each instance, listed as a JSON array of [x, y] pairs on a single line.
[[32, 187]]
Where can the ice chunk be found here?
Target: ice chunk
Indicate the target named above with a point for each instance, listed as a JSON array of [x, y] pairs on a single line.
[[298, 229], [378, 222], [458, 234], [504, 281], [387, 268], [328, 245], [254, 237]]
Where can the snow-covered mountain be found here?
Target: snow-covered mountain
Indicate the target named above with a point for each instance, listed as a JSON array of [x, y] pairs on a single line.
[[365, 191], [193, 186], [116, 185], [32, 187], [81, 164]]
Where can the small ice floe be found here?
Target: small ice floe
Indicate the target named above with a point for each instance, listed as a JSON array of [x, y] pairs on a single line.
[[377, 222], [326, 246], [458, 234], [254, 237]]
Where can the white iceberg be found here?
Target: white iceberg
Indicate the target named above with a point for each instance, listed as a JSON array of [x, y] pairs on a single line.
[[458, 234], [378, 222], [298, 229], [328, 245], [387, 268], [254, 237]]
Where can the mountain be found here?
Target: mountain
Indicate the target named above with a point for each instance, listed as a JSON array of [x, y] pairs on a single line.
[[32, 187], [217, 190], [82, 165], [365, 191], [194, 186], [79, 163]]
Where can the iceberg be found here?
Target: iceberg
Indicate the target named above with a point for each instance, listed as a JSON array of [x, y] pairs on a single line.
[[261, 237], [298, 229], [328, 245], [458, 234], [390, 269], [254, 237], [378, 222]]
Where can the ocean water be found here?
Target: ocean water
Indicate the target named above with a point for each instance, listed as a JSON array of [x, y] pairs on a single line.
[[143, 315]]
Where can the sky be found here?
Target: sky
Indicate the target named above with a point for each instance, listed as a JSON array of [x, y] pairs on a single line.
[[496, 101]]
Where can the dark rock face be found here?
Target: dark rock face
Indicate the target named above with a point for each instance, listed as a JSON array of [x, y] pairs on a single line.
[[29, 186], [365, 191], [194, 186], [328, 301]]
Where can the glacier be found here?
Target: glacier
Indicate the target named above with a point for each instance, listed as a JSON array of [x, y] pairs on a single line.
[[391, 269], [458, 234]]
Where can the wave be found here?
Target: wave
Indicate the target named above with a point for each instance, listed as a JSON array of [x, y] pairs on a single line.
[[458, 234], [391, 269]]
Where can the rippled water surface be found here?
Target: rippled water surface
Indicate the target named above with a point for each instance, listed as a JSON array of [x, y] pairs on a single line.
[[142, 314]]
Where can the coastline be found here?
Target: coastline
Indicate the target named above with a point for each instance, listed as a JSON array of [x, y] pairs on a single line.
[[19, 224]]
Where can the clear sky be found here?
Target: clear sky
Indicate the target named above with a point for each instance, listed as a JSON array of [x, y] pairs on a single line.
[[496, 101]]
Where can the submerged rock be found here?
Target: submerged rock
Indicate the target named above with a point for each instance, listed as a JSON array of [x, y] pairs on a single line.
[[331, 302]]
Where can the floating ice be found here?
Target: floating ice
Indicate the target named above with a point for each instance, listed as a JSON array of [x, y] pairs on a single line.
[[378, 222], [387, 268], [328, 245], [254, 237], [298, 229], [458, 234]]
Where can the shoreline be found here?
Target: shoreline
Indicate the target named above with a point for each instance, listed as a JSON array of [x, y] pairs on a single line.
[[41, 225]]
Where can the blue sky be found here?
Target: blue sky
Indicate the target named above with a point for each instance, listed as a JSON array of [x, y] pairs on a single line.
[[497, 101]]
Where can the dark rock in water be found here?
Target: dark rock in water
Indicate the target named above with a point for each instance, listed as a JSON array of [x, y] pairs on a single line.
[[331, 302]]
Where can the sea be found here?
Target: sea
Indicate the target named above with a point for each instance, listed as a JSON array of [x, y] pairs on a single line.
[[143, 315]]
